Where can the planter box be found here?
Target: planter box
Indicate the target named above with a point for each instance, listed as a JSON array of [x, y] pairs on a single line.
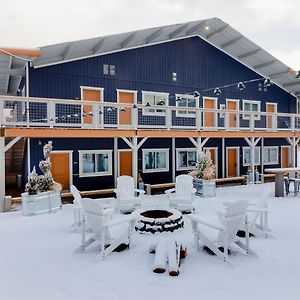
[[205, 188], [46, 202]]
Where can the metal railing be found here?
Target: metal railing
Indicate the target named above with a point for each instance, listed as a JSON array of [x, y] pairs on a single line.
[[52, 113]]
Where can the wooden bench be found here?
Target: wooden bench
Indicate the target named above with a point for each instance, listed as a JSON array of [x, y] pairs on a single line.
[[239, 179], [150, 187], [267, 176]]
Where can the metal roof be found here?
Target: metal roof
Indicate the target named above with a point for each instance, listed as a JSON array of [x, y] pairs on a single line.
[[214, 31], [12, 68]]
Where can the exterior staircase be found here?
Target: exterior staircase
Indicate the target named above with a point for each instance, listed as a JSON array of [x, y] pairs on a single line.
[[14, 161]]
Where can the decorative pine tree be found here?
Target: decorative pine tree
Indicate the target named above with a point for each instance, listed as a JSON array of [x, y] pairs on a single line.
[[45, 182], [205, 169]]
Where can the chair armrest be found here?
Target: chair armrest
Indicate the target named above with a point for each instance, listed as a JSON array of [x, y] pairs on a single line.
[[141, 192], [126, 219], [257, 210], [205, 223], [169, 191]]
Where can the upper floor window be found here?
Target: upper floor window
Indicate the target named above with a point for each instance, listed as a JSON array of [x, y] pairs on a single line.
[[95, 163], [157, 99], [109, 69], [253, 106], [186, 101]]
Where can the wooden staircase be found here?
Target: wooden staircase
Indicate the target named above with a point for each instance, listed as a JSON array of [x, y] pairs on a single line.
[[14, 161]]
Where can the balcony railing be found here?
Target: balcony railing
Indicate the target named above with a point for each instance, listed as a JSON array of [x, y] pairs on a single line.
[[54, 113]]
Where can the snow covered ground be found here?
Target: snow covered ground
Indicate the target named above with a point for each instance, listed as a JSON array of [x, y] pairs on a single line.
[[37, 261]]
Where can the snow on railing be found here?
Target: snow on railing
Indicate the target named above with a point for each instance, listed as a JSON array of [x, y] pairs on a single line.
[[42, 112]]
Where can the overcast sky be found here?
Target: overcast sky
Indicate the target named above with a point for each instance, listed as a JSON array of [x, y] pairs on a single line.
[[272, 24]]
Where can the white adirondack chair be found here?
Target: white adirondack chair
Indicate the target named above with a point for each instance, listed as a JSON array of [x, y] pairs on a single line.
[[234, 215], [258, 218], [181, 197], [97, 218], [78, 210], [126, 194]]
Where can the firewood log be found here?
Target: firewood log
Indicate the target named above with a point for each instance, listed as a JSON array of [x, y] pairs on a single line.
[[161, 257]]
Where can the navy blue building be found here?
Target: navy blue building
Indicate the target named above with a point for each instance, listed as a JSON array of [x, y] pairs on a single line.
[[150, 99]]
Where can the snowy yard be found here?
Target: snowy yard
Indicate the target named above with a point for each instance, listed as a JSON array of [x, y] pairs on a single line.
[[37, 260]]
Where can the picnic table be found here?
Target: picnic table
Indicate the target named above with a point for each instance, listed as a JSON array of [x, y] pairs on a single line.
[[279, 178]]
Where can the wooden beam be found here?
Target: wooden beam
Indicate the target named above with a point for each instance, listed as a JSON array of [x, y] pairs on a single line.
[[11, 143], [21, 52]]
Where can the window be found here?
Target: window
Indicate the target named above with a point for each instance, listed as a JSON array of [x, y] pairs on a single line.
[[155, 160], [247, 156], [270, 155], [106, 69], [109, 69], [186, 101], [112, 70], [186, 159], [95, 163], [153, 98], [251, 105]]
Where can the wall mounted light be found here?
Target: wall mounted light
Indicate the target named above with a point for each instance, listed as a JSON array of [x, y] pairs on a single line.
[[241, 86]]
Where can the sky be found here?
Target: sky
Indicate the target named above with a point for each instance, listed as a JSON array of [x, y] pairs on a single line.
[[272, 24]]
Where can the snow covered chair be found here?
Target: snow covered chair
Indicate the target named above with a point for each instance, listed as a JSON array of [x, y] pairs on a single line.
[[126, 194], [78, 210], [97, 218], [234, 215], [181, 197], [258, 218]]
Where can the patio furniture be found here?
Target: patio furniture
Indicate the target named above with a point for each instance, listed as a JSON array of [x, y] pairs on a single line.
[[234, 215], [181, 197], [78, 210], [97, 218], [279, 178], [126, 194], [292, 178]]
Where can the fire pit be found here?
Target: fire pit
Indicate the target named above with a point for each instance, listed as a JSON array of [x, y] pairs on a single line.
[[152, 221]]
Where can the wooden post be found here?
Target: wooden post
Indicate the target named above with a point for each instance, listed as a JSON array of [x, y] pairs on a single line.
[[2, 173], [134, 160]]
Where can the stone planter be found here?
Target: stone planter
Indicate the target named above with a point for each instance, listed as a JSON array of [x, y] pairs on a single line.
[[46, 202], [205, 188]]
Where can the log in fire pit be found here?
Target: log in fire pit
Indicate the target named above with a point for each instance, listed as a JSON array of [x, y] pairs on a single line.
[[153, 221]]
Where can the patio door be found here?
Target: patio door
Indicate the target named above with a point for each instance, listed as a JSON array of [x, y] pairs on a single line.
[[125, 163], [60, 168], [126, 97], [270, 108], [232, 161], [209, 117], [232, 105], [90, 94], [285, 156]]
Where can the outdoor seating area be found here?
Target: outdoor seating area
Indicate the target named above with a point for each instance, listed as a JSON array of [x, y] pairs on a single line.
[[88, 254]]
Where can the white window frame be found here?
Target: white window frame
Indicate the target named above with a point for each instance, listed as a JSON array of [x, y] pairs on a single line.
[[156, 112], [178, 168], [106, 173], [166, 169], [255, 164], [190, 114], [271, 162], [256, 116]]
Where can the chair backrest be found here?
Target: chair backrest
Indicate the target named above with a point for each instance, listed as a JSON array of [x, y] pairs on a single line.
[[76, 195], [94, 214], [125, 187], [184, 186], [232, 219]]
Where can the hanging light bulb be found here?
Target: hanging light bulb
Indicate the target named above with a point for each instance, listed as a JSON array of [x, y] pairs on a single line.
[[91, 113], [68, 116], [178, 99], [134, 106], [122, 108], [75, 115], [83, 113], [148, 104], [196, 94], [161, 102], [109, 110], [241, 86], [217, 91], [100, 112], [267, 82]]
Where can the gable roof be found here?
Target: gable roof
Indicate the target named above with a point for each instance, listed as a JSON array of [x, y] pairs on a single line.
[[214, 31]]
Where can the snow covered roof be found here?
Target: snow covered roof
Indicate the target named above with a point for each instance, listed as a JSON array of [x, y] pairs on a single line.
[[215, 31]]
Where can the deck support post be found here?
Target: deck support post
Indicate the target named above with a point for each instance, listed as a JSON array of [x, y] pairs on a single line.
[[293, 141], [2, 172], [252, 142], [199, 144]]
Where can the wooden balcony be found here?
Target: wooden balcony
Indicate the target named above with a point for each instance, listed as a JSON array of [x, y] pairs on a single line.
[[41, 117]]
